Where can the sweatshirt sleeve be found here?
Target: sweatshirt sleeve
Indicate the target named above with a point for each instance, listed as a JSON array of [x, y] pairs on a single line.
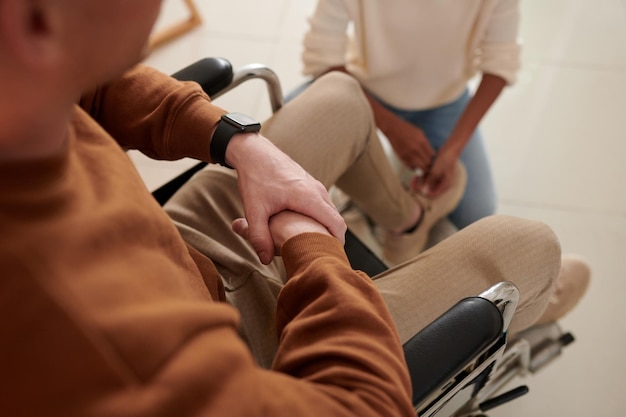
[[500, 49], [152, 112], [326, 42], [336, 333]]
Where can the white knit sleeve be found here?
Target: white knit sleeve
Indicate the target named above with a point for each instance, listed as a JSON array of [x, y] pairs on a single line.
[[326, 41], [501, 47]]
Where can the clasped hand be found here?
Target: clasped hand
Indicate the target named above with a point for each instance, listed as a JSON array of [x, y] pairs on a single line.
[[270, 182]]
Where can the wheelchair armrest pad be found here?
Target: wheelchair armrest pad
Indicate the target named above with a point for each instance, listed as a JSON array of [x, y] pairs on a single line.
[[213, 74], [448, 344], [361, 256]]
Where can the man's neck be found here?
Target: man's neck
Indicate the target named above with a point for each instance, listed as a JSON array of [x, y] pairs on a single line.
[[34, 137]]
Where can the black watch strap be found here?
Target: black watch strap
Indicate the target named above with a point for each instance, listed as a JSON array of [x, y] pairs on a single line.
[[229, 125]]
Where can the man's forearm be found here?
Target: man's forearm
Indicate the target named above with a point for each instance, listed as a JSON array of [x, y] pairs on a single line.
[[337, 333], [148, 110]]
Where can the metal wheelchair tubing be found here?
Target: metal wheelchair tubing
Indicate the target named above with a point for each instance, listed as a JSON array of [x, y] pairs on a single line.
[[514, 362], [258, 71], [505, 296], [434, 407]]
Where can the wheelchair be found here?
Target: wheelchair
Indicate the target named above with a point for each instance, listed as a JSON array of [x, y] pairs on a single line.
[[461, 364]]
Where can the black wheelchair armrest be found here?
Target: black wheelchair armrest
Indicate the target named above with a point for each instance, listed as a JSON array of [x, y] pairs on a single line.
[[213, 74], [451, 342]]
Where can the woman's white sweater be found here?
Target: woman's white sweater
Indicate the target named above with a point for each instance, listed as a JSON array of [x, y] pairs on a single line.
[[414, 54]]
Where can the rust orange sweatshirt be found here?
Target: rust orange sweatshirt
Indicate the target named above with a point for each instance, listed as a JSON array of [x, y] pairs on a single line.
[[105, 311]]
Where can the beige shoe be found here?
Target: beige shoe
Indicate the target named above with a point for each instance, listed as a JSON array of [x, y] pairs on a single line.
[[398, 248], [571, 285]]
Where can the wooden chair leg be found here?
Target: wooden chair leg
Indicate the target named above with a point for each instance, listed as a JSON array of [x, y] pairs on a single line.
[[177, 29]]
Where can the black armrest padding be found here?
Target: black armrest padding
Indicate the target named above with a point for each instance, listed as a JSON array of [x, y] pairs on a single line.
[[167, 190], [361, 257], [213, 74], [448, 344]]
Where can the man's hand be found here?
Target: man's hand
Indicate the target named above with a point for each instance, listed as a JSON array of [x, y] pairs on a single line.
[[271, 182], [284, 226]]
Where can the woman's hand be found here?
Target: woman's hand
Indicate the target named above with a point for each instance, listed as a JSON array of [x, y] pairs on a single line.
[[439, 177], [408, 141], [410, 144]]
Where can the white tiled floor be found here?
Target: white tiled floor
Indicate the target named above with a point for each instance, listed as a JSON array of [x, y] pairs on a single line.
[[554, 141]]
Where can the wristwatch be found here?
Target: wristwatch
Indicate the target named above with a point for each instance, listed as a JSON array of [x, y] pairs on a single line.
[[229, 125]]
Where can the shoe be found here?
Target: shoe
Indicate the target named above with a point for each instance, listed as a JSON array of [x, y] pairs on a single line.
[[571, 285], [398, 248]]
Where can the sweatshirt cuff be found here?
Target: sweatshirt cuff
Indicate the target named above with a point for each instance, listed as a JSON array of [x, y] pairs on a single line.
[[301, 250]]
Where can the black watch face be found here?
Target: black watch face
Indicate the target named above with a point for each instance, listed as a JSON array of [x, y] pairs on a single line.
[[243, 122]]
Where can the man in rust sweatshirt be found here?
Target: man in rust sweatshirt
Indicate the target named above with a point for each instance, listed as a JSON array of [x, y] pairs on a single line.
[[110, 308]]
